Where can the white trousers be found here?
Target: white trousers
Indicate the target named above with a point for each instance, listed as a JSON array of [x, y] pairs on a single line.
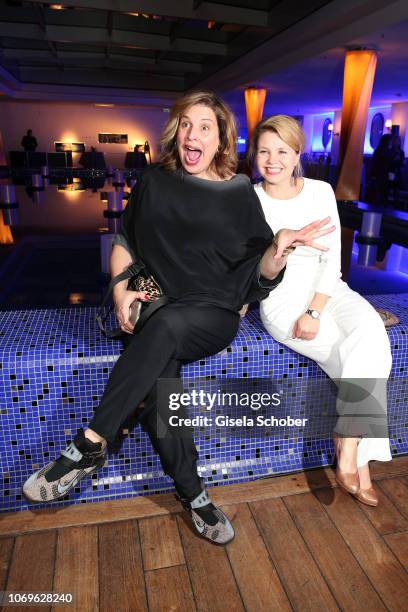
[[352, 343]]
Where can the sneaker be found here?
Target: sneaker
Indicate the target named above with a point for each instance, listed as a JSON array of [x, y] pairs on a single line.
[[208, 520], [56, 479]]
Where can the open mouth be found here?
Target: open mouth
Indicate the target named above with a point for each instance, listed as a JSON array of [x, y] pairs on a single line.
[[192, 155], [273, 171]]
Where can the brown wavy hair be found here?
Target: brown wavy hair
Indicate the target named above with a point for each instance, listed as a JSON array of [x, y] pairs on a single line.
[[288, 129], [225, 160]]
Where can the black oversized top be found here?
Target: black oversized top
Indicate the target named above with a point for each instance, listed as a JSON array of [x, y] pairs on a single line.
[[202, 240]]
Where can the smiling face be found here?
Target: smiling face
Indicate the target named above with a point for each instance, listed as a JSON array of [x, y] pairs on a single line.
[[198, 140], [275, 159]]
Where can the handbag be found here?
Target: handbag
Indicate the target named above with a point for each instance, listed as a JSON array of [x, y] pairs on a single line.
[[140, 312], [388, 318]]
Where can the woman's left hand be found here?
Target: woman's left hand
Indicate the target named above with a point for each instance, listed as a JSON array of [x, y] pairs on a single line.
[[287, 239], [306, 328]]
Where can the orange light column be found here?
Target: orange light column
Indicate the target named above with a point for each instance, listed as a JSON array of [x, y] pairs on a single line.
[[6, 237], [254, 103], [359, 72]]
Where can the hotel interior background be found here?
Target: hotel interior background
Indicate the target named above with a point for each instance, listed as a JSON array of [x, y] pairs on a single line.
[[77, 72], [73, 71], [88, 70], [70, 74]]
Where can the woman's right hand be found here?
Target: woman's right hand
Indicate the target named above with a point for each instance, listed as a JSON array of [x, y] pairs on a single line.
[[287, 239], [123, 300]]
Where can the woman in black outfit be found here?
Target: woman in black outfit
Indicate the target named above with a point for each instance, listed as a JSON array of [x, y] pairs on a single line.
[[380, 167], [201, 233], [397, 156]]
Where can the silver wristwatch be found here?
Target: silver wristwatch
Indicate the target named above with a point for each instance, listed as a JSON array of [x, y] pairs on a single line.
[[315, 314]]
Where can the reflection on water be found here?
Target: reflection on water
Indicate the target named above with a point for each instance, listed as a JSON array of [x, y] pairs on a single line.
[[68, 202], [58, 235]]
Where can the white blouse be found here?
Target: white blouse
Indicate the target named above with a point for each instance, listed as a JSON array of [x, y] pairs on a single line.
[[315, 202]]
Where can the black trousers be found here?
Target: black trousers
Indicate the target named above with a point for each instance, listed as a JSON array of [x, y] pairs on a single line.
[[179, 332]]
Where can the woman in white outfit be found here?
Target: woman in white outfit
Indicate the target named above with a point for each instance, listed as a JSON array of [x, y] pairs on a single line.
[[314, 312]]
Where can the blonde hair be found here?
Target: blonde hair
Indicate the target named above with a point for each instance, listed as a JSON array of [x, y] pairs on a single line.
[[288, 129], [225, 160]]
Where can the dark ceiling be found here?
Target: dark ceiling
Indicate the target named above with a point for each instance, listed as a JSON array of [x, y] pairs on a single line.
[[146, 52], [156, 45]]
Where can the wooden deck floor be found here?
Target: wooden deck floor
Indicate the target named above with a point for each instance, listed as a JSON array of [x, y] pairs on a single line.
[[301, 544]]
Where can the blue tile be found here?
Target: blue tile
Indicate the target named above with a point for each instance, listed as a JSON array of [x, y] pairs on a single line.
[[54, 366]]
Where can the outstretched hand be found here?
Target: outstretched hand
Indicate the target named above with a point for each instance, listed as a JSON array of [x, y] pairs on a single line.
[[287, 239]]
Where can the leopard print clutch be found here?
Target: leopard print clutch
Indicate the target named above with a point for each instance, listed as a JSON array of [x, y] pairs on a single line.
[[140, 311], [147, 284]]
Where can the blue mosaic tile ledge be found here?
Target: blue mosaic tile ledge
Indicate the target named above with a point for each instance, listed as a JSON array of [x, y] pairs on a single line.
[[53, 368]]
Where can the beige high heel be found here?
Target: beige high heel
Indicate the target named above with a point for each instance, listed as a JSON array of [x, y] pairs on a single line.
[[349, 481], [367, 496]]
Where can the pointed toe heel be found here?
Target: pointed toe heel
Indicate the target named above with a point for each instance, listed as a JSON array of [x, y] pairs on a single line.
[[368, 497]]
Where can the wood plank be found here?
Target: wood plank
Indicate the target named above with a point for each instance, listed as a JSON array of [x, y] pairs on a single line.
[[297, 569], [396, 490], [6, 549], [379, 563], [169, 588], [76, 568], [347, 581], [398, 542], [160, 504], [87, 514], [32, 566], [386, 518], [213, 583], [160, 540], [389, 469], [164, 503], [253, 569], [121, 578]]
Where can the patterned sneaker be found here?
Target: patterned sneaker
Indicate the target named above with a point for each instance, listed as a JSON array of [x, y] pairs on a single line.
[[54, 480], [209, 521]]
